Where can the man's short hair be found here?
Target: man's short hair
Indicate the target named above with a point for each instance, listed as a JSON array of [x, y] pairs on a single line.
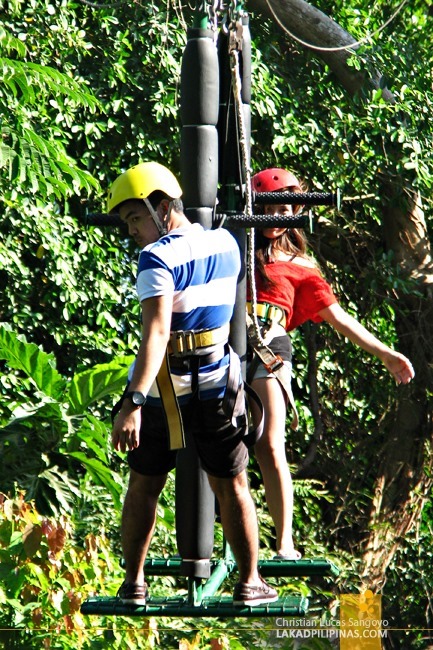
[[157, 196]]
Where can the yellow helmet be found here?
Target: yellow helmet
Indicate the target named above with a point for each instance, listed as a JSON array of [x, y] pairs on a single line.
[[140, 181]]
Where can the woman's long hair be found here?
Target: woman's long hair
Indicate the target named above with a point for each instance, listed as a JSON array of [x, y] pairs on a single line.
[[292, 241]]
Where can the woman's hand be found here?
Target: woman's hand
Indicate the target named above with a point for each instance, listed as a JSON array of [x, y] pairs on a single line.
[[399, 366], [396, 363]]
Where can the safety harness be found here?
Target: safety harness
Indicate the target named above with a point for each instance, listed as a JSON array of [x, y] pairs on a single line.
[[182, 354], [273, 363], [268, 313], [187, 342]]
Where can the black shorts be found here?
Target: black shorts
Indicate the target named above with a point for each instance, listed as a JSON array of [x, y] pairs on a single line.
[[220, 446], [280, 345]]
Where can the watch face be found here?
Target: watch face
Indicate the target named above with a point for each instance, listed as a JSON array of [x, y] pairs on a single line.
[[137, 398]]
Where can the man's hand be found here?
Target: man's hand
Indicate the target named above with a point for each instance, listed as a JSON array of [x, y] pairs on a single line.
[[126, 429]]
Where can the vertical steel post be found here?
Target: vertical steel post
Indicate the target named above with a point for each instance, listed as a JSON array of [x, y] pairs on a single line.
[[195, 501]]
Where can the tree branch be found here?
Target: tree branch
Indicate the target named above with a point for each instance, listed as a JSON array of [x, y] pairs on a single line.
[[312, 26]]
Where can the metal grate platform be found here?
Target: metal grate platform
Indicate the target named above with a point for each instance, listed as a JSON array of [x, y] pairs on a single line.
[[210, 607], [296, 568], [201, 601]]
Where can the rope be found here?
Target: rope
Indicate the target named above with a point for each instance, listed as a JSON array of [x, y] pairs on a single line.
[[236, 80], [214, 7]]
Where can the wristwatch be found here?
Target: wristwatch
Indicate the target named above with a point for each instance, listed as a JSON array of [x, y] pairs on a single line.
[[138, 399]]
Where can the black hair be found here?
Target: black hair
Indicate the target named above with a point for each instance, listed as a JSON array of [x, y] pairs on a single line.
[[157, 196]]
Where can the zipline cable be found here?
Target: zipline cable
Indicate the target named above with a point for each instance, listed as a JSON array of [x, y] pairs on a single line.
[[342, 47]]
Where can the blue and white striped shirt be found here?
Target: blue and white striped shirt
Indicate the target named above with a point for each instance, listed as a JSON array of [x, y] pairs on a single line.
[[199, 268]]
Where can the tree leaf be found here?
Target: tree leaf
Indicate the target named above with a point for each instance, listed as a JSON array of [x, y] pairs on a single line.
[[36, 364], [102, 380]]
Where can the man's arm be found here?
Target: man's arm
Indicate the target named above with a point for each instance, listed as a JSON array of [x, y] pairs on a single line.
[[156, 321], [397, 364]]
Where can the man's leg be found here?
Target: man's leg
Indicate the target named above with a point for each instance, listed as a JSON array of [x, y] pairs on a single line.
[[222, 451], [239, 521], [138, 522]]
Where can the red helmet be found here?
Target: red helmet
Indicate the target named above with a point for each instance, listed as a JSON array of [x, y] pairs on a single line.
[[272, 180]]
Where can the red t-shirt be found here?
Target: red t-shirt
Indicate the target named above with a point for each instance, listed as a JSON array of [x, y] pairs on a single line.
[[300, 290]]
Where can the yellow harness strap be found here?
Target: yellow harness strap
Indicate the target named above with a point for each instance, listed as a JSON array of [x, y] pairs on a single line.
[[170, 405], [268, 312], [187, 341], [182, 343]]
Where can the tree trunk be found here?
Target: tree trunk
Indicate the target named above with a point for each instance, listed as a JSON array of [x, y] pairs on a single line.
[[404, 475], [405, 463]]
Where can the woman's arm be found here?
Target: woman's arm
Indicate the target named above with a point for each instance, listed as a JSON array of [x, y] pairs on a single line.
[[397, 364]]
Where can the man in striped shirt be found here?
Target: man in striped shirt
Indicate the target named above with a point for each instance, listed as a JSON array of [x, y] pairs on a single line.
[[186, 285]]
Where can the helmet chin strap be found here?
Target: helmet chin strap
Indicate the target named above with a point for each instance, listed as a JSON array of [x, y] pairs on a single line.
[[161, 228]]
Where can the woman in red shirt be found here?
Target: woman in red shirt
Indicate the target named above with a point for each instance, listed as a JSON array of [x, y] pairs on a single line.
[[289, 291]]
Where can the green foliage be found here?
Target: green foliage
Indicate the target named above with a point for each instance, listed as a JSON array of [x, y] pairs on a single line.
[[408, 594], [70, 288], [87, 90], [48, 436], [332, 139], [65, 288], [45, 575], [31, 155], [95, 384], [38, 366]]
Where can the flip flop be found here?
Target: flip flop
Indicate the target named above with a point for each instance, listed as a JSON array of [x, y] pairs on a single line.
[[293, 555]]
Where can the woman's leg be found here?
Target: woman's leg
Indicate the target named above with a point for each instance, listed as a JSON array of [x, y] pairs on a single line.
[[270, 452]]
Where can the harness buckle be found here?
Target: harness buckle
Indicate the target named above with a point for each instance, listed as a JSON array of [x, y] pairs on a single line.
[[273, 313], [275, 364], [183, 343]]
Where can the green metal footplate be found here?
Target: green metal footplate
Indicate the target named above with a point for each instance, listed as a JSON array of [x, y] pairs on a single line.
[[298, 568], [215, 606], [283, 568], [201, 600]]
